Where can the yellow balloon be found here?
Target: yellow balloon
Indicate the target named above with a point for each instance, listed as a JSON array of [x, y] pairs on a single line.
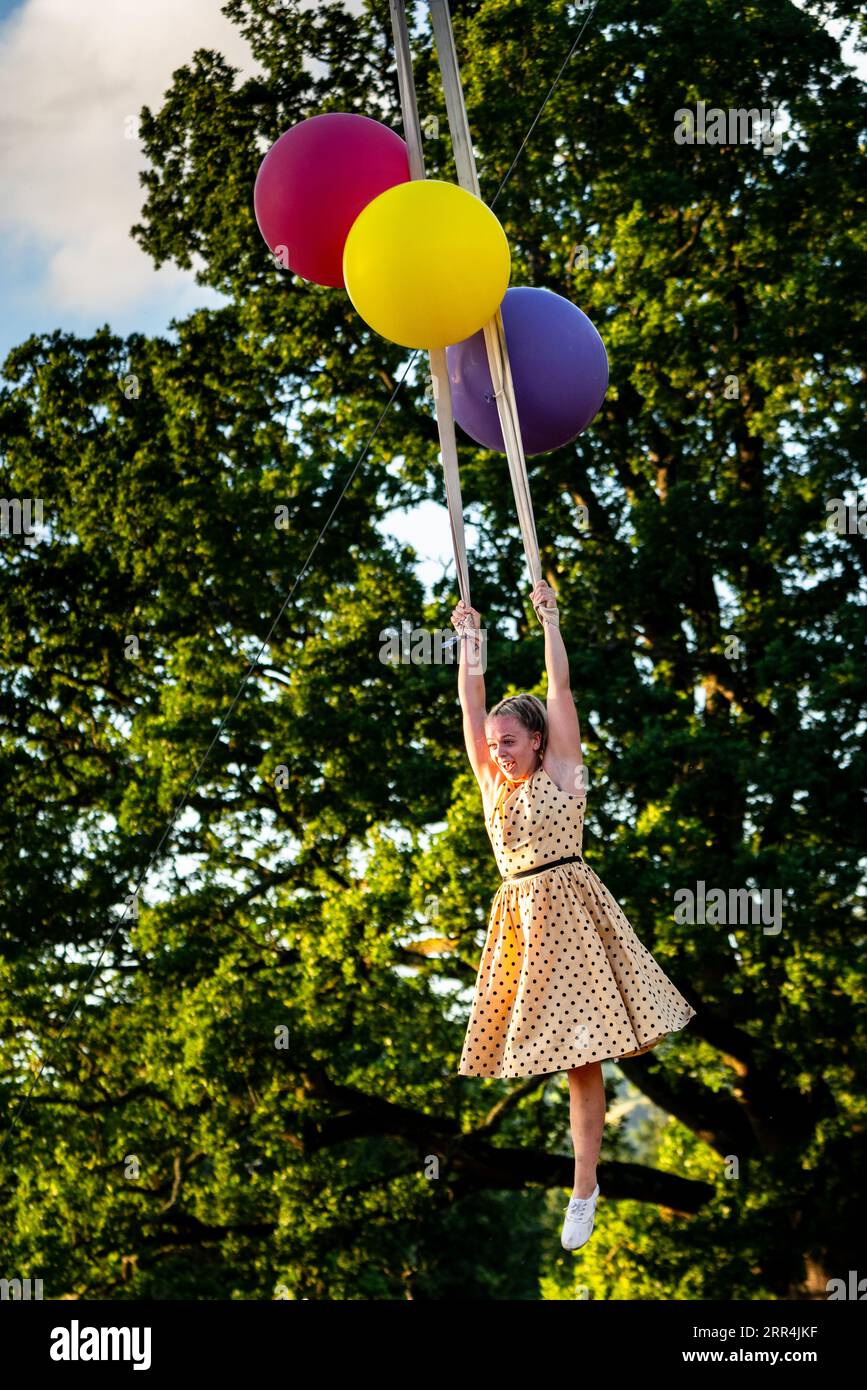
[[426, 264]]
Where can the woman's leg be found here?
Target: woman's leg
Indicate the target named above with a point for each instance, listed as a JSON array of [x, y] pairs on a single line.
[[587, 1121]]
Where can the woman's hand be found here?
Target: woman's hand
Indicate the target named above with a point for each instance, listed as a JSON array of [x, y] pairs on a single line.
[[544, 601], [468, 625], [465, 619]]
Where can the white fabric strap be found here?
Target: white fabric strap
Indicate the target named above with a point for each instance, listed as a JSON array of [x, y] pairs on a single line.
[[448, 448], [437, 356], [495, 337], [504, 394]]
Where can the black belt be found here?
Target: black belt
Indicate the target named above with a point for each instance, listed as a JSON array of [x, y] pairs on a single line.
[[524, 873]]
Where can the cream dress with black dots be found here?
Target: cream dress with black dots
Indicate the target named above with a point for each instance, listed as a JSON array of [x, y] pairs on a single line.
[[563, 979]]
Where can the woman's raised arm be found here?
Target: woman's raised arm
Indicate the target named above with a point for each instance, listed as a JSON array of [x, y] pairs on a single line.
[[564, 732], [471, 687]]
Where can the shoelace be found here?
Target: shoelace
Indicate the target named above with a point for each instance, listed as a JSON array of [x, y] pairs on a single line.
[[577, 1205]]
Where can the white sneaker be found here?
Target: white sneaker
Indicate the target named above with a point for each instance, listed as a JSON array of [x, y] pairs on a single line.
[[579, 1220]]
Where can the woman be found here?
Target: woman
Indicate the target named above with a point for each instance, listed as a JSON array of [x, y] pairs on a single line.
[[564, 983]]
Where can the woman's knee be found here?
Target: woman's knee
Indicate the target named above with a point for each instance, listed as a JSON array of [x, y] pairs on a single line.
[[589, 1071]]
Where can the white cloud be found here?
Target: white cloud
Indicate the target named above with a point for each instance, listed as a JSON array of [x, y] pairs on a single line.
[[71, 74]]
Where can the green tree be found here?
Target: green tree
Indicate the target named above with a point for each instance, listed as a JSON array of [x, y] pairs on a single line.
[[258, 1094]]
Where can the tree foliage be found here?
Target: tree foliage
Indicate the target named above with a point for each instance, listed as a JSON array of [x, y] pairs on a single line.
[[258, 1094]]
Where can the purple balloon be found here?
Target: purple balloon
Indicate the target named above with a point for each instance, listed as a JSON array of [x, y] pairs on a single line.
[[559, 371]]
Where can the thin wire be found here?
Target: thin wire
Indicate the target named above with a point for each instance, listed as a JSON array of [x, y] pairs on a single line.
[[254, 663], [544, 104]]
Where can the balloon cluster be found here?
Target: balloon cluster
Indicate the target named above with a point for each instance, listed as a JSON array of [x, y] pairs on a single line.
[[427, 264]]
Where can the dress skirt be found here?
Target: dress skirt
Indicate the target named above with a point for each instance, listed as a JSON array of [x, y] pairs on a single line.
[[563, 979]]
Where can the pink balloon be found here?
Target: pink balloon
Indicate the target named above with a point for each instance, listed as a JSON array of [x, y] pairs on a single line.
[[313, 183]]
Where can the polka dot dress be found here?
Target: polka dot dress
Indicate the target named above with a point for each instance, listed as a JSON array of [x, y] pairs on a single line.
[[563, 979]]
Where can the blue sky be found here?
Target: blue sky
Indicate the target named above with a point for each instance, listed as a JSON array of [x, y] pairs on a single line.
[[73, 77]]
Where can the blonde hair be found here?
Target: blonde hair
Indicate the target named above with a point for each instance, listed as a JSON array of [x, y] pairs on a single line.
[[529, 711]]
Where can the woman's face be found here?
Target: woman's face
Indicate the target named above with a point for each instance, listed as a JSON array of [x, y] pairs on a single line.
[[512, 747]]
